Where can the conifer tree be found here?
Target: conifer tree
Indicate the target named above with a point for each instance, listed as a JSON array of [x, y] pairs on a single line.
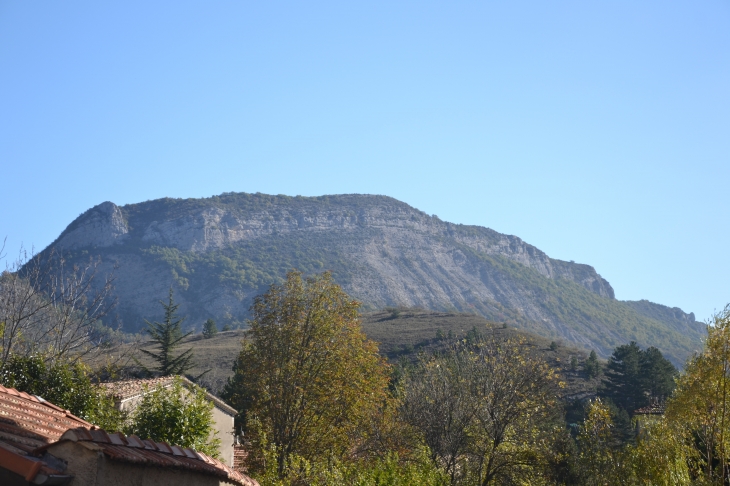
[[592, 366], [209, 329], [622, 383], [635, 377], [168, 336]]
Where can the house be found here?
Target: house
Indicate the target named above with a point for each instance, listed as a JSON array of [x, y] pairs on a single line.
[[43, 444], [129, 393], [645, 416]]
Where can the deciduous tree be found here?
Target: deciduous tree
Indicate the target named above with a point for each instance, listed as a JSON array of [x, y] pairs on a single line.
[[50, 310], [602, 459], [488, 411], [67, 385], [307, 374], [700, 408]]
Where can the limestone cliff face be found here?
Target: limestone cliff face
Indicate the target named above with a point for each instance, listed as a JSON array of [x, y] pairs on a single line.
[[221, 251], [216, 228], [100, 226]]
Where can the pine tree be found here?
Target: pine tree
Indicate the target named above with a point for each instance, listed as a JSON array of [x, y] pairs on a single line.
[[622, 382], [592, 366], [634, 377], [658, 374], [167, 336], [209, 329]]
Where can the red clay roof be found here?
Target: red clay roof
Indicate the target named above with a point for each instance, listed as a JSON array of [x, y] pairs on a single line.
[[124, 390], [29, 425], [134, 450], [28, 422]]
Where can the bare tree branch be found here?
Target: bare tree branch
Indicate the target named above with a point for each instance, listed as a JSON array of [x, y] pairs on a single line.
[[49, 309]]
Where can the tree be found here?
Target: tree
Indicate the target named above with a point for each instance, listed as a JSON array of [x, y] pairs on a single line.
[[307, 379], [622, 382], [488, 412], [601, 460], [209, 329], [657, 374], [177, 415], [592, 366], [634, 377], [67, 385], [439, 404], [699, 411], [167, 336], [661, 455], [50, 310]]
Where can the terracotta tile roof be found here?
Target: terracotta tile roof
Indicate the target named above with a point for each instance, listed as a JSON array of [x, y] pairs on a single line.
[[134, 450], [29, 425], [240, 454], [28, 422], [124, 390]]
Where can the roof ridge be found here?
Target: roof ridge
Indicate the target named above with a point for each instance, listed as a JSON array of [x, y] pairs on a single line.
[[178, 455], [115, 388]]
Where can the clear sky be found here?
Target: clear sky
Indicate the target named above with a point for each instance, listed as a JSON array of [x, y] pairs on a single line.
[[597, 131]]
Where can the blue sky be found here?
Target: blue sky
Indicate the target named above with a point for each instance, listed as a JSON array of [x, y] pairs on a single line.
[[597, 131]]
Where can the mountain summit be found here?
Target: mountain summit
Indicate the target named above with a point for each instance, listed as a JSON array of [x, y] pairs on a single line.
[[219, 252]]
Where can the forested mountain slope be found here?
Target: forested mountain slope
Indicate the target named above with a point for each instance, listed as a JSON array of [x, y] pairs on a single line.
[[219, 252]]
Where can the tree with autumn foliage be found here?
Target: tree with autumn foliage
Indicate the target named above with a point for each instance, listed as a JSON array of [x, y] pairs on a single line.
[[699, 411], [602, 460], [488, 412], [307, 381]]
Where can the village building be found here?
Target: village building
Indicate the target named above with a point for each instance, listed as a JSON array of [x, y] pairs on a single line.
[[644, 417], [129, 393], [43, 444]]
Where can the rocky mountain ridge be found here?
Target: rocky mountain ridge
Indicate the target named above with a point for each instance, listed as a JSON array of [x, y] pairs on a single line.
[[219, 252]]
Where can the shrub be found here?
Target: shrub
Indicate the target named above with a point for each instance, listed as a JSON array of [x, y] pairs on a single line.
[[177, 415]]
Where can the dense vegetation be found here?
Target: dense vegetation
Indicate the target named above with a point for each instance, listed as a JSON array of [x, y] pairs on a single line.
[[479, 409], [177, 415]]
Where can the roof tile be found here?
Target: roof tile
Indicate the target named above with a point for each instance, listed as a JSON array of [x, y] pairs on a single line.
[[28, 422], [164, 455], [134, 441], [29, 425], [124, 390]]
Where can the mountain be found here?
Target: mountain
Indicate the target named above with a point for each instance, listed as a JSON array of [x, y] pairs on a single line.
[[221, 251]]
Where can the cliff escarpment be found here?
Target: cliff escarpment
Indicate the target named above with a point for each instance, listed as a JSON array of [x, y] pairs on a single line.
[[219, 252]]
